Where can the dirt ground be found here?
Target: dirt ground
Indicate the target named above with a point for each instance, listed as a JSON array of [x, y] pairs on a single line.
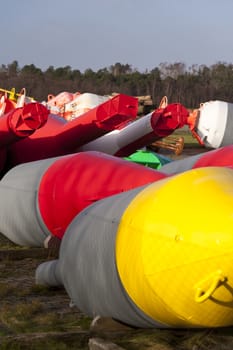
[[32, 317]]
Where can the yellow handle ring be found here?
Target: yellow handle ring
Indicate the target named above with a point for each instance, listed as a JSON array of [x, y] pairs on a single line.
[[202, 294]]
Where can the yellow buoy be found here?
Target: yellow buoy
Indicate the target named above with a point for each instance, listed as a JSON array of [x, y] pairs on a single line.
[[174, 249]]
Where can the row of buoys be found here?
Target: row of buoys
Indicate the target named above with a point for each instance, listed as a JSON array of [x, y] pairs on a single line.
[[52, 135], [141, 246], [211, 123], [146, 247]]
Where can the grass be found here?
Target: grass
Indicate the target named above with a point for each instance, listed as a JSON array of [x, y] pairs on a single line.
[[31, 316], [40, 343]]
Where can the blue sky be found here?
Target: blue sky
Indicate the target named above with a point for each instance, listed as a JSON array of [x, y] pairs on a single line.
[[98, 33]]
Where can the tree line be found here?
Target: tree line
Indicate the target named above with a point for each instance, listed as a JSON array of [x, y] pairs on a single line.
[[187, 85]]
